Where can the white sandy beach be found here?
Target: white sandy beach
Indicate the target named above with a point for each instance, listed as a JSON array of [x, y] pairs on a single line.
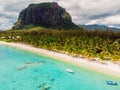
[[109, 68]]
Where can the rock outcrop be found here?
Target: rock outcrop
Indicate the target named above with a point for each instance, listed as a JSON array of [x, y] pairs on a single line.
[[45, 15]]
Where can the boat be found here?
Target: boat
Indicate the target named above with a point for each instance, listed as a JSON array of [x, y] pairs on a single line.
[[111, 82], [69, 70]]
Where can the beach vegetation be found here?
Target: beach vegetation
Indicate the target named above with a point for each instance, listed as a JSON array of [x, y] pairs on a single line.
[[104, 45]]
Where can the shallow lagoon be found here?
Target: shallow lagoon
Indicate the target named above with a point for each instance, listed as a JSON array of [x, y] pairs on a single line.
[[22, 70]]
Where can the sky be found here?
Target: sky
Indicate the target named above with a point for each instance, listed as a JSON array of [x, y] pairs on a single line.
[[102, 12]]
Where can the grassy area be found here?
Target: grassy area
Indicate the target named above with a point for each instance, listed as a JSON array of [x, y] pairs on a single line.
[[104, 45]]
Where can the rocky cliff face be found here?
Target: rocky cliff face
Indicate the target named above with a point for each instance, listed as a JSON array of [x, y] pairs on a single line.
[[45, 15]]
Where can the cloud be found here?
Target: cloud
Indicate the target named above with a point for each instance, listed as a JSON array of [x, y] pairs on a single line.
[[113, 19], [86, 11], [105, 12], [5, 23]]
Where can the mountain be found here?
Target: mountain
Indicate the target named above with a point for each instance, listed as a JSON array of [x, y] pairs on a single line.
[[45, 15], [99, 27]]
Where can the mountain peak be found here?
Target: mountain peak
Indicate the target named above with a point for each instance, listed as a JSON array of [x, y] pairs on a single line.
[[46, 15]]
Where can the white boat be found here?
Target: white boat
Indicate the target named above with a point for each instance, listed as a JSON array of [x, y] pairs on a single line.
[[69, 70]]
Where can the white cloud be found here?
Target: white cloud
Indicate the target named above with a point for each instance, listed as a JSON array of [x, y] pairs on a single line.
[[98, 21], [113, 19], [82, 11], [5, 23], [105, 12]]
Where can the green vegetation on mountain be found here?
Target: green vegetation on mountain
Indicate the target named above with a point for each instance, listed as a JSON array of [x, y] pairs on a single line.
[[91, 44]]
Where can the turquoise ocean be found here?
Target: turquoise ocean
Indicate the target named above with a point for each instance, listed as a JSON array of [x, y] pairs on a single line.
[[24, 70]]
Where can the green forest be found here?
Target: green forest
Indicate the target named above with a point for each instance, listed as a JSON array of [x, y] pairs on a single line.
[[104, 45]]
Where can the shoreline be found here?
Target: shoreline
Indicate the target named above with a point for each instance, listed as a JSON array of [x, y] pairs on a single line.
[[108, 68]]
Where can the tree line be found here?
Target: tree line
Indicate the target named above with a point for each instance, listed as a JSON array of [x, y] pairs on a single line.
[[104, 45]]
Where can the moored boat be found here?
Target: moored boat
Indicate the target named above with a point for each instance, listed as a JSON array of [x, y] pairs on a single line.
[[69, 70]]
